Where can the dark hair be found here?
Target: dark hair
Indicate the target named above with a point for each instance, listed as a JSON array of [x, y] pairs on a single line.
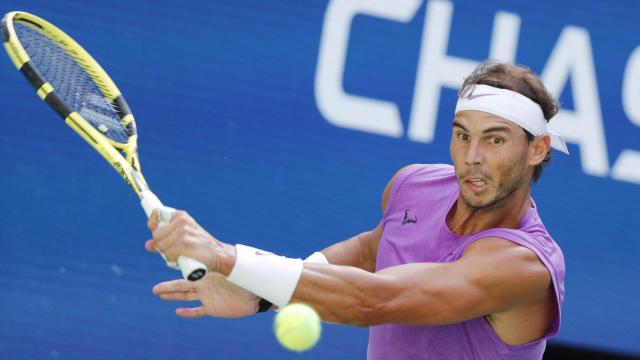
[[519, 79]]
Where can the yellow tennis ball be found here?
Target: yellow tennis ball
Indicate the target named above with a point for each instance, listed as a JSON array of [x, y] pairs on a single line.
[[297, 327]]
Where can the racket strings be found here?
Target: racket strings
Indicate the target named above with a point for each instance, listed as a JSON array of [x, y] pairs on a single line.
[[71, 83]]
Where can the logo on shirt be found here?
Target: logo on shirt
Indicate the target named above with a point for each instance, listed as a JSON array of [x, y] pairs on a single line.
[[407, 219]]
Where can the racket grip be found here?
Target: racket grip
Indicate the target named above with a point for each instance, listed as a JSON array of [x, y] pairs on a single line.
[[191, 269]]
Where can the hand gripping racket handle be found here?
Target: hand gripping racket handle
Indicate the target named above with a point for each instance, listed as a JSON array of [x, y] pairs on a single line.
[[191, 269]]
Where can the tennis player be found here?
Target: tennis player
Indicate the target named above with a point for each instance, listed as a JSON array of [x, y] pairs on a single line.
[[460, 265]]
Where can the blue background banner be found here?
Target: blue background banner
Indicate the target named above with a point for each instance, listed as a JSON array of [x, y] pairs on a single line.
[[278, 124]]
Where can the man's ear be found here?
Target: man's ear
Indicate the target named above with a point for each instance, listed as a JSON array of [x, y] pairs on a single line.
[[538, 149]]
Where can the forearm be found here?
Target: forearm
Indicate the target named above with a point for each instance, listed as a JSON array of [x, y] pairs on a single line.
[[424, 294], [340, 294], [421, 293]]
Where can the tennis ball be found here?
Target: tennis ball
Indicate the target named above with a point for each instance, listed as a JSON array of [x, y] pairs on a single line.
[[297, 327]]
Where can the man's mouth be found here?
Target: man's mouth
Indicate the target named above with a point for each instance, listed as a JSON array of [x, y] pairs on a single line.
[[476, 184]]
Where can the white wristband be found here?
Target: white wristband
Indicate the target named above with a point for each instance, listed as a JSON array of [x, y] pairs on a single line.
[[269, 276], [316, 258]]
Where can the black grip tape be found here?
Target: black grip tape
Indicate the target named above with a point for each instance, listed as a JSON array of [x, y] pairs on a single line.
[[32, 74], [5, 30], [57, 104], [121, 106]]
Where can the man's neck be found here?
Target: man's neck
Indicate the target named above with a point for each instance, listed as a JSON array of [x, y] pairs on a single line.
[[464, 220]]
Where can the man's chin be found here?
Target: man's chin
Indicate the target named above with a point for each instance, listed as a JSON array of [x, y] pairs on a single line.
[[476, 202]]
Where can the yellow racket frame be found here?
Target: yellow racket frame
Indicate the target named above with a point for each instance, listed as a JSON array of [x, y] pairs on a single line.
[[128, 166]]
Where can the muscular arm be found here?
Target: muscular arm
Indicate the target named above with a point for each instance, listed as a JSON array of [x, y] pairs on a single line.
[[361, 250], [494, 275]]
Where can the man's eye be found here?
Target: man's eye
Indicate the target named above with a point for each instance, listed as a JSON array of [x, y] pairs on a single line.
[[496, 141], [463, 137]]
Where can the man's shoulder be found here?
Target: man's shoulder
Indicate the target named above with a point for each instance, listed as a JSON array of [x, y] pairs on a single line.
[[426, 181], [425, 171], [538, 242], [532, 234]]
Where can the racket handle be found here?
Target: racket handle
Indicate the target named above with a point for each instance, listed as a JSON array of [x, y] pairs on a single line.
[[191, 269]]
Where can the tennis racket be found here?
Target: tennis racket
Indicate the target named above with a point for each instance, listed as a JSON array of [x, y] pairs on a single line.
[[67, 78]]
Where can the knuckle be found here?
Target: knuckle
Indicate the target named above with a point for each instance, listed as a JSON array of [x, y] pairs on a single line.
[[181, 214], [181, 221], [185, 242]]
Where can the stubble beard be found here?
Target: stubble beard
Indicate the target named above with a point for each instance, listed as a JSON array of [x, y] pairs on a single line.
[[504, 192], [498, 200]]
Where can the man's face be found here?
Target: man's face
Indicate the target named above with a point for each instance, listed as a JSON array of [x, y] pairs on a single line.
[[490, 158]]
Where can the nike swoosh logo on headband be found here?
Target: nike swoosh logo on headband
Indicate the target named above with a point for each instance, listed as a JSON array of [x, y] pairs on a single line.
[[471, 97]]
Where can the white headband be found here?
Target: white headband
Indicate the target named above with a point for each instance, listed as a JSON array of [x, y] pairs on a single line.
[[511, 106]]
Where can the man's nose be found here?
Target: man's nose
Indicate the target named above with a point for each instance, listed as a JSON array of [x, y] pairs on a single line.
[[474, 154]]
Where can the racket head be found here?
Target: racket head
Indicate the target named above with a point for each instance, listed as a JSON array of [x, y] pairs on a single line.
[[67, 78], [71, 82]]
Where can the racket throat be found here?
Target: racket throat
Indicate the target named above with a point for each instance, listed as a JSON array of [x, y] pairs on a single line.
[[138, 181]]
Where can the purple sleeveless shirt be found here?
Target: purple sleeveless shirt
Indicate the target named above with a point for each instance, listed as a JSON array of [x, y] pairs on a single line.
[[415, 231]]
